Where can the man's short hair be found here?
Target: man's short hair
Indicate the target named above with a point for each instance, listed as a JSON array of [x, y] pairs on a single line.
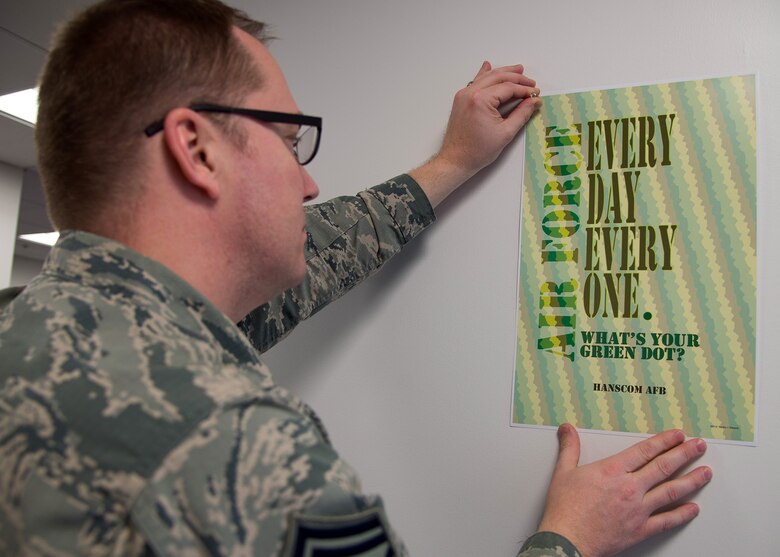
[[114, 69]]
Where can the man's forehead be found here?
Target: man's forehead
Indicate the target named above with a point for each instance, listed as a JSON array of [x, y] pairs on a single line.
[[274, 82], [262, 57]]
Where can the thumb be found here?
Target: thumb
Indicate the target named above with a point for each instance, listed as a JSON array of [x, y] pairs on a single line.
[[569, 448], [520, 115]]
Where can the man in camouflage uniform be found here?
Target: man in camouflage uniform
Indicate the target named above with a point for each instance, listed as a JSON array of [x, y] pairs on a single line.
[[135, 417]]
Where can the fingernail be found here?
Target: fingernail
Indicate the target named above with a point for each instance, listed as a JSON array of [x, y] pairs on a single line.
[[701, 445], [708, 473]]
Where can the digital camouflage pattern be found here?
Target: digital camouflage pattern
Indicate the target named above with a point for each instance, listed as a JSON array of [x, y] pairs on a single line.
[[349, 238], [548, 544], [136, 419]]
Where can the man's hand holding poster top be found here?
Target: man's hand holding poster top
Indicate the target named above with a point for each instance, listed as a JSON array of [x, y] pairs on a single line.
[[637, 288]]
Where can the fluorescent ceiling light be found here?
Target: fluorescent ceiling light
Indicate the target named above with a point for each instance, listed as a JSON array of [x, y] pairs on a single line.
[[22, 105], [44, 238]]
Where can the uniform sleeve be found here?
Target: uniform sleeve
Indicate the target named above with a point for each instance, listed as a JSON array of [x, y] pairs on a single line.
[[259, 480], [349, 239], [548, 544]]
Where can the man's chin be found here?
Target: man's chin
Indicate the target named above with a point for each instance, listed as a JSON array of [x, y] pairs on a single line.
[[299, 278]]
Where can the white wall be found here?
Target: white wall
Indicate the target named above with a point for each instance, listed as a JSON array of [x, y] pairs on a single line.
[[10, 195], [412, 372], [24, 269]]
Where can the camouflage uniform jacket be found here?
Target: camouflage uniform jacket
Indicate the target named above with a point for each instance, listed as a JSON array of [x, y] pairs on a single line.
[[136, 419]]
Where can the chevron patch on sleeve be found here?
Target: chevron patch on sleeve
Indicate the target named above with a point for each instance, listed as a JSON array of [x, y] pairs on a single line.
[[364, 534]]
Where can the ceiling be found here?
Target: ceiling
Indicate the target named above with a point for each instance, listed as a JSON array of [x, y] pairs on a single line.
[[25, 30]]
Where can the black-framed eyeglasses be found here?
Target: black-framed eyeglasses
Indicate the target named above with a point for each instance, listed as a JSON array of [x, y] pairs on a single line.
[[305, 144]]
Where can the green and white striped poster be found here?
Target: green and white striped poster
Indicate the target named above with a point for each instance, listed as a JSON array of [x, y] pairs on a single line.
[[637, 282]]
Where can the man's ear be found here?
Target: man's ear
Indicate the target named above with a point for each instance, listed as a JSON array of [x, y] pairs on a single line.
[[192, 141]]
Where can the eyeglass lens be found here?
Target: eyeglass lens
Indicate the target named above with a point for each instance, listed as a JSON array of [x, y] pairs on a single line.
[[306, 143]]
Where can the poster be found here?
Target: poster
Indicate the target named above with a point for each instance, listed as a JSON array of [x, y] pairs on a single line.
[[637, 278]]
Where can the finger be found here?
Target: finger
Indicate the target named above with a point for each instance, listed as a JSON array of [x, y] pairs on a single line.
[[673, 491], [506, 92], [485, 68], [495, 77], [516, 68], [666, 464], [508, 96], [568, 448], [638, 455], [667, 520]]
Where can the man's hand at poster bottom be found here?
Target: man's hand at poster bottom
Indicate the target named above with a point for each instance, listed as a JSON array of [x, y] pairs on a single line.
[[612, 504]]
